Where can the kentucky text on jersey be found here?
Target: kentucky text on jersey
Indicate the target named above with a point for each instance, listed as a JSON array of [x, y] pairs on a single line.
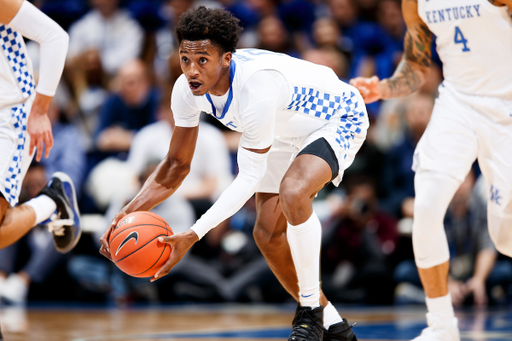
[[453, 13]]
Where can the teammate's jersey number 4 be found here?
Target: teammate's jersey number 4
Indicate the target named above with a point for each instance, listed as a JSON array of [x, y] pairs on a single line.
[[459, 39]]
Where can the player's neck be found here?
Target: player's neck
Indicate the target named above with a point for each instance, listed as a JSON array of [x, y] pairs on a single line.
[[222, 85]]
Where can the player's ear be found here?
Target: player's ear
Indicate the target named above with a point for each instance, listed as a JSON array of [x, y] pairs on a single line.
[[226, 59]]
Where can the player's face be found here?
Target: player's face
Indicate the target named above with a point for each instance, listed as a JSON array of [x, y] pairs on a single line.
[[205, 66]]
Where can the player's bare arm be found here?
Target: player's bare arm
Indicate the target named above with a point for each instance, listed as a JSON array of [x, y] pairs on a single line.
[[502, 3], [163, 182], [414, 67]]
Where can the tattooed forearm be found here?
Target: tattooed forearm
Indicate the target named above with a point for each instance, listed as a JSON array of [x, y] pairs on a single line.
[[415, 65], [405, 81]]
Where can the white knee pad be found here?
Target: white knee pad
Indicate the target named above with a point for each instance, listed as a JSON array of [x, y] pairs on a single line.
[[434, 192], [499, 218]]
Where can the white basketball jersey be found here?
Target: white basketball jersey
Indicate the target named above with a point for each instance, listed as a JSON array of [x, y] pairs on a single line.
[[16, 81], [314, 96], [474, 42]]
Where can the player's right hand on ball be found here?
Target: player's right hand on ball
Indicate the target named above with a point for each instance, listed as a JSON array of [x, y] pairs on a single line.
[[104, 250], [368, 88], [180, 243]]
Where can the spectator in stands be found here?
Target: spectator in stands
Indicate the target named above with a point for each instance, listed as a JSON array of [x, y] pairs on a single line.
[[68, 154], [124, 113], [390, 20], [273, 36], [89, 85], [111, 31], [356, 245], [367, 38], [398, 177], [367, 10], [327, 35], [331, 58], [166, 54]]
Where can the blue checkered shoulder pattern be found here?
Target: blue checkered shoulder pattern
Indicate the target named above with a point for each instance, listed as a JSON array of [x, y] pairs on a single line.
[[11, 46], [13, 178], [325, 106]]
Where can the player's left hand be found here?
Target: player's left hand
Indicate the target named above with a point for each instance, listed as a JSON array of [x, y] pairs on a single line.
[[180, 243], [39, 128], [106, 236]]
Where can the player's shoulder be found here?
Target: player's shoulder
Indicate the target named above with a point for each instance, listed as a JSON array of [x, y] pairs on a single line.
[[180, 89]]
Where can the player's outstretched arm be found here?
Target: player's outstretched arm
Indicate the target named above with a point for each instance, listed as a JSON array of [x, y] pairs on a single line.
[[414, 67], [163, 182]]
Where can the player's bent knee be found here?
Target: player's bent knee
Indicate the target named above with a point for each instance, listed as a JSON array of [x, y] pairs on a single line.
[[261, 236], [290, 197]]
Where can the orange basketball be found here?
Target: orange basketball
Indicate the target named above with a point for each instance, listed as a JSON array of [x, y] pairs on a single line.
[[134, 244]]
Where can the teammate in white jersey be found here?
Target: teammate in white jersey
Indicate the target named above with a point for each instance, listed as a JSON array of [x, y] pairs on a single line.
[[24, 125], [301, 128], [472, 119]]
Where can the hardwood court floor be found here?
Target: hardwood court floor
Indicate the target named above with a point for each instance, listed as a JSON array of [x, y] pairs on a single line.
[[227, 323]]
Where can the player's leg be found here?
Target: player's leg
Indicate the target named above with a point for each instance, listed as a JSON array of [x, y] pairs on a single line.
[[307, 175], [270, 236], [55, 206], [431, 250], [14, 222], [58, 197], [443, 158]]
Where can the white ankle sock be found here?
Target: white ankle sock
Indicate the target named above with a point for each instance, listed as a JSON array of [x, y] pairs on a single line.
[[43, 206], [304, 240], [331, 316], [441, 307]]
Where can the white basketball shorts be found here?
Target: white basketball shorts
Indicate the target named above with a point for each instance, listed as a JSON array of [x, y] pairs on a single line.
[[464, 128], [14, 150], [344, 135]]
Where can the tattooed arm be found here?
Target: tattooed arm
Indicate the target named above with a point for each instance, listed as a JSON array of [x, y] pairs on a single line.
[[414, 68]]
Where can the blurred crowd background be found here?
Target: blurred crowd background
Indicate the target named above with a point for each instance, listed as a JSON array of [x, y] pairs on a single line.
[[112, 124]]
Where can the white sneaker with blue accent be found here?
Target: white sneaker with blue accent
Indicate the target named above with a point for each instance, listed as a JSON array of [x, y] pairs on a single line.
[[65, 222], [439, 330]]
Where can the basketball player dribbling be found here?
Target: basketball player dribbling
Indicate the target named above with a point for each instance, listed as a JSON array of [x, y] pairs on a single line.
[[301, 128], [24, 125], [472, 119]]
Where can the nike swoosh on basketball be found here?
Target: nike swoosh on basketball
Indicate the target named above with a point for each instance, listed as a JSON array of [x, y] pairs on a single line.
[[132, 235]]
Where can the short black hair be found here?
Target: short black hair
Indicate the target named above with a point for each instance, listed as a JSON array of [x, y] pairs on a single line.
[[217, 25]]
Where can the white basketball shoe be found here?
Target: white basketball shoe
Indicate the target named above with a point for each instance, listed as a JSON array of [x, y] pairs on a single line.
[[439, 329]]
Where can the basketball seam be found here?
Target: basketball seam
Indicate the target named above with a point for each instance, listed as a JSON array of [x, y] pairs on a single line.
[[119, 260], [156, 216], [131, 227], [140, 273]]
